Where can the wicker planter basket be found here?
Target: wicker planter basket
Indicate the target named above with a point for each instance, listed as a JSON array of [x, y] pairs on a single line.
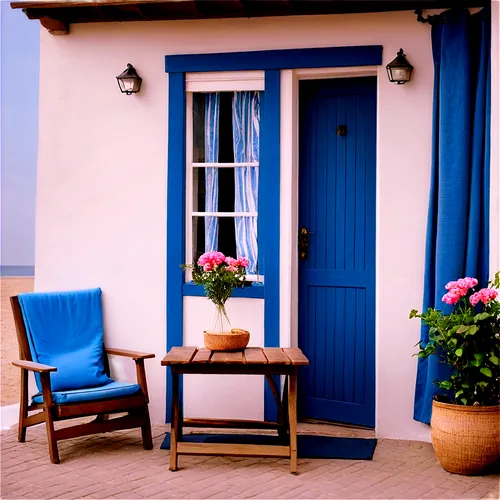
[[466, 439], [235, 340]]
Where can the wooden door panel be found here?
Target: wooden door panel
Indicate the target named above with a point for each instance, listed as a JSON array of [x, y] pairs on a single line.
[[337, 280]]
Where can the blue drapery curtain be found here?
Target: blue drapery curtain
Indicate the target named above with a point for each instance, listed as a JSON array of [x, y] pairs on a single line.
[[212, 112], [457, 242], [246, 116]]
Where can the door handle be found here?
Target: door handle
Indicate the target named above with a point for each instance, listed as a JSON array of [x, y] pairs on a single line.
[[303, 243]]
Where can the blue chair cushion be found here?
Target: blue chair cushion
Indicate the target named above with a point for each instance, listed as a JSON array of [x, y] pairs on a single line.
[[65, 330], [110, 390]]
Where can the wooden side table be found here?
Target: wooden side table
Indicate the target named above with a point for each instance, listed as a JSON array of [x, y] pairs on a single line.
[[251, 361]]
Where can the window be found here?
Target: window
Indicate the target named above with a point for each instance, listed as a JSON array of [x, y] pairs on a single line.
[[223, 175]]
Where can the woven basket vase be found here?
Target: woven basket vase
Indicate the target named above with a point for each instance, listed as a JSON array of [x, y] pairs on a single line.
[[235, 340], [466, 439]]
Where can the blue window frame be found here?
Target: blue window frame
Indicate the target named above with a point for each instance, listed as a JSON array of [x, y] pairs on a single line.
[[269, 182]]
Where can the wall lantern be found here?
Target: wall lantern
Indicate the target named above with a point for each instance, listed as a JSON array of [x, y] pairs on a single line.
[[129, 81], [399, 70]]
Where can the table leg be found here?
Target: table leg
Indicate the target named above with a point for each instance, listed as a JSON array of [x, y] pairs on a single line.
[[180, 420], [292, 418], [284, 427], [174, 421]]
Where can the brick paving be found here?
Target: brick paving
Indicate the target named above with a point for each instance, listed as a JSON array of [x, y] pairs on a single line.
[[115, 466]]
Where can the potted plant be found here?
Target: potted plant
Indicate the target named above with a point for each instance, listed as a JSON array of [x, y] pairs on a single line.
[[465, 422], [219, 275]]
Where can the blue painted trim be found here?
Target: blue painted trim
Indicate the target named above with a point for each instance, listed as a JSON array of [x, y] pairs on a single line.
[[269, 184], [17, 271], [369, 55], [254, 291], [176, 193], [269, 204]]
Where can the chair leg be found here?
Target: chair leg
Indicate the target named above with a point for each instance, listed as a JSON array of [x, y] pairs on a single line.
[[49, 418], [147, 438], [51, 437], [23, 407]]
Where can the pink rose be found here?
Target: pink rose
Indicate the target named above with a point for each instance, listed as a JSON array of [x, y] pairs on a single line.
[[474, 299], [207, 267], [232, 269], [462, 283], [231, 262], [471, 282], [456, 293], [452, 297], [218, 257], [212, 258], [451, 285], [243, 261], [484, 295]]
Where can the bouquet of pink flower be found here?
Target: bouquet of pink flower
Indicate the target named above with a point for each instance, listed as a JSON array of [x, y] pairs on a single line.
[[468, 339], [219, 275]]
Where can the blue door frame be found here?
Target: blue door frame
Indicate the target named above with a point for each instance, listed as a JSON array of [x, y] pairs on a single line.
[[272, 61], [337, 174]]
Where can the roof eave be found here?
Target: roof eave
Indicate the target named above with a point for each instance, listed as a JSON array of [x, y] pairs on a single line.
[[57, 16]]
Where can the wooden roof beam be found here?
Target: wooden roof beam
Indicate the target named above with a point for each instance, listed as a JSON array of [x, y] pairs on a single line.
[[54, 26]]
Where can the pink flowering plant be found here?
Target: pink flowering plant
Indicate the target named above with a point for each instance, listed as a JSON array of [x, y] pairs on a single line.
[[468, 339], [219, 275]]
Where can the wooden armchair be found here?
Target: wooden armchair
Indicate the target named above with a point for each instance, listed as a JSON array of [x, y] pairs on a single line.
[[66, 390]]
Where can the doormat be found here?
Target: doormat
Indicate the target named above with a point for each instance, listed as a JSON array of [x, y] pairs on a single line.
[[307, 446]]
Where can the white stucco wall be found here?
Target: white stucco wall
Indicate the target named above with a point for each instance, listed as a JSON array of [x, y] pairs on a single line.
[[238, 396], [101, 196]]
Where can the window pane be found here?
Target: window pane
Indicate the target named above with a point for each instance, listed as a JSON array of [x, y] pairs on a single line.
[[198, 127], [225, 127], [221, 119], [225, 183], [225, 227], [226, 239]]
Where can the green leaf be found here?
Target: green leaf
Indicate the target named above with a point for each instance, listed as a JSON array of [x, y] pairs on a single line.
[[486, 371], [476, 362], [494, 359], [479, 356], [481, 316], [458, 393], [472, 330], [463, 329], [453, 344], [413, 313], [464, 401], [446, 384], [459, 352]]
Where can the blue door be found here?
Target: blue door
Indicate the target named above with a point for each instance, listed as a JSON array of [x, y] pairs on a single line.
[[337, 249]]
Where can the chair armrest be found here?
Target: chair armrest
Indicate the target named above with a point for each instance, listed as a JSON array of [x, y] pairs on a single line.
[[129, 354], [139, 358], [34, 367]]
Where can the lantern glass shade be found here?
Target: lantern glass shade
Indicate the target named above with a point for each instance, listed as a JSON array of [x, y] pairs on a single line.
[[399, 70], [129, 81]]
